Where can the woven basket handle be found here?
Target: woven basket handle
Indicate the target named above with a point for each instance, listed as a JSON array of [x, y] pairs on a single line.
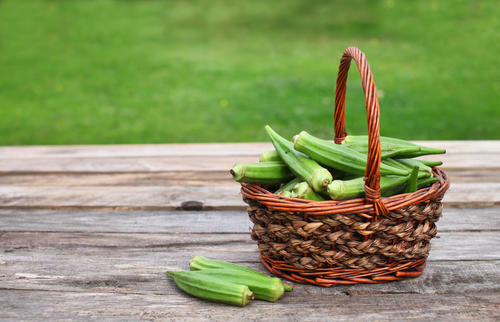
[[372, 174]]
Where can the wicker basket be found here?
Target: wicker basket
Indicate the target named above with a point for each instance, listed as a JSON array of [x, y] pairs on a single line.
[[370, 240]]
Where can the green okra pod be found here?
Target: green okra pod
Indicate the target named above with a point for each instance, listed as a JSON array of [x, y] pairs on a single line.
[[410, 163], [264, 288], [306, 169], [271, 172], [422, 172], [303, 191], [411, 185], [200, 262], [271, 155], [423, 183], [391, 144], [212, 288], [337, 156], [287, 187], [431, 163], [355, 188]]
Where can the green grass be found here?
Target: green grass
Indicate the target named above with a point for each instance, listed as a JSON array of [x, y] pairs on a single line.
[[84, 72]]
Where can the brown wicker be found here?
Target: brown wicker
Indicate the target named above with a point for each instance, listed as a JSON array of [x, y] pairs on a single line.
[[370, 240]]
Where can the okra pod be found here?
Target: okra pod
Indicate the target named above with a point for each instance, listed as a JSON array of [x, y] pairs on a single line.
[[200, 262], [271, 155], [212, 288], [422, 172], [355, 188], [264, 288], [431, 163], [410, 163], [271, 172], [411, 185], [303, 191], [306, 169], [339, 157], [287, 187], [426, 182], [386, 150], [389, 143]]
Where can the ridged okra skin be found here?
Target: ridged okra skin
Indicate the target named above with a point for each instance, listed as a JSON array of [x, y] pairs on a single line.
[[411, 185], [410, 163], [264, 288], [200, 262], [423, 183], [271, 172], [432, 163], [303, 191], [397, 146], [212, 288], [423, 171], [287, 187], [355, 188], [339, 157], [271, 155], [306, 169]]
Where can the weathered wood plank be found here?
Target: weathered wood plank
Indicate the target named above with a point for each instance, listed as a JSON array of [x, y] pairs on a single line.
[[450, 246], [187, 178], [127, 197], [136, 150], [454, 219], [439, 277], [175, 197], [135, 263], [99, 306], [123, 164], [203, 149], [192, 163]]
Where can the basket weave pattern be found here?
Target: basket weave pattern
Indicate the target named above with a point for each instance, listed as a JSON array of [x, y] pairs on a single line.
[[363, 240], [340, 240]]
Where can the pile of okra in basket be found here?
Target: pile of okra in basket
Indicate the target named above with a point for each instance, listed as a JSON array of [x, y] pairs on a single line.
[[315, 169], [307, 168]]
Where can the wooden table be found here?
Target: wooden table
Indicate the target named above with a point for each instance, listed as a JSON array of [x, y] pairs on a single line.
[[87, 232]]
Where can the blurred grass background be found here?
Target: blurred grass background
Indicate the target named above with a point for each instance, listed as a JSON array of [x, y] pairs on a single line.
[[103, 71]]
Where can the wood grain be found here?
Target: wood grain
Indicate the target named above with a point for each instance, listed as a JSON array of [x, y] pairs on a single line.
[[188, 178], [169, 221], [125, 164], [104, 306], [203, 149], [450, 246], [86, 232], [225, 197], [175, 178], [135, 263]]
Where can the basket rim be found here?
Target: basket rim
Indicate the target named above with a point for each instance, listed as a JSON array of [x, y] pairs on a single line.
[[351, 206]]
